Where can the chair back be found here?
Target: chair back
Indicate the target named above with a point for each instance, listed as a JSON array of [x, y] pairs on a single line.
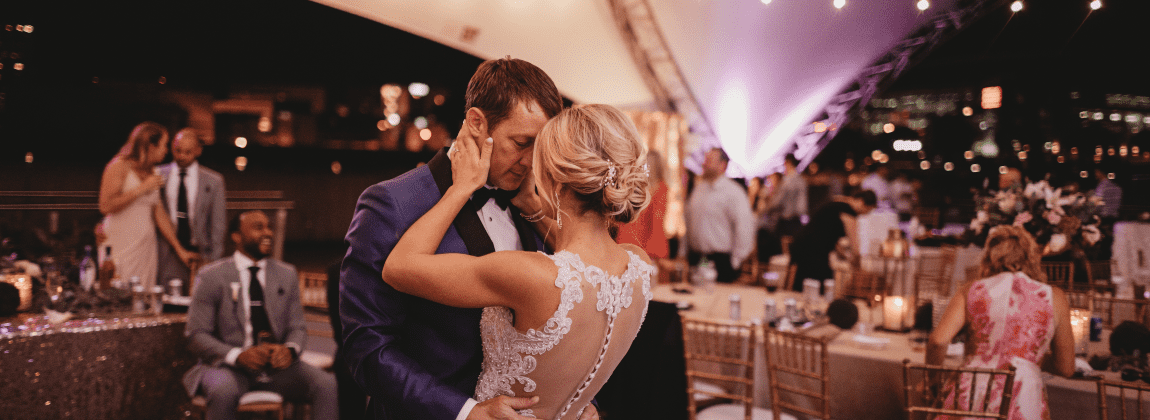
[[865, 285], [1059, 273], [789, 281], [1115, 310], [752, 268], [1101, 274], [798, 369], [927, 393], [1080, 299], [932, 276], [723, 352], [786, 242], [1135, 404]]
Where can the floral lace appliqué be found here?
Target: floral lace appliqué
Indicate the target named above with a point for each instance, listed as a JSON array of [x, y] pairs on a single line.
[[508, 356]]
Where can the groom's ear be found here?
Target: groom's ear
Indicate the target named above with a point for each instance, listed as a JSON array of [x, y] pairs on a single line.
[[477, 123]]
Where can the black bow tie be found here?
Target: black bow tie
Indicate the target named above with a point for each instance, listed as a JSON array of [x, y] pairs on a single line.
[[502, 197]]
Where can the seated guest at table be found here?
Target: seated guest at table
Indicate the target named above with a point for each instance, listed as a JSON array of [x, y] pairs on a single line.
[[720, 226], [811, 250], [130, 198], [1013, 318], [237, 301]]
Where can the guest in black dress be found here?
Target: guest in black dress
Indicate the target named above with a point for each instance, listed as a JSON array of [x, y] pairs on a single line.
[[836, 219]]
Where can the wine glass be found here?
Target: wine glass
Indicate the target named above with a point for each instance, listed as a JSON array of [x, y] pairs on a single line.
[[53, 280]]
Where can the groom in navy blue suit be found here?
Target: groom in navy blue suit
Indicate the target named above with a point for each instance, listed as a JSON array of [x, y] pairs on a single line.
[[415, 358]]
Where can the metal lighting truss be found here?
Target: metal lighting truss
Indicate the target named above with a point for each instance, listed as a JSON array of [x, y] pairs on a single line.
[[815, 136], [652, 55]]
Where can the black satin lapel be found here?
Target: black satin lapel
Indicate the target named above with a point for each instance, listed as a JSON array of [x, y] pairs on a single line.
[[440, 167], [467, 222], [526, 232]]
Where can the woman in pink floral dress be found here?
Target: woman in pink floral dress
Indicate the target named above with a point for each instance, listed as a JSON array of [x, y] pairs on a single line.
[[1014, 318]]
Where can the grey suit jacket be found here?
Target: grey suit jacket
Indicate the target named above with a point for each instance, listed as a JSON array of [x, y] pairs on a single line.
[[209, 227], [216, 320]]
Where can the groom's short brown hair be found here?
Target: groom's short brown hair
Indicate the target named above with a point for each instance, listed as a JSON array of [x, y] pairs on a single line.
[[498, 85]]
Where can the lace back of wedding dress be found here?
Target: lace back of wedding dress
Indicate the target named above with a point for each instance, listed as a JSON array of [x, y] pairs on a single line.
[[567, 362]]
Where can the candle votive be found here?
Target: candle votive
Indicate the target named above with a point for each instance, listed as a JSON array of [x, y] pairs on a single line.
[[894, 313]]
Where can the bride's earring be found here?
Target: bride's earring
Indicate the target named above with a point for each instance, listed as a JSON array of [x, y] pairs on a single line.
[[558, 211]]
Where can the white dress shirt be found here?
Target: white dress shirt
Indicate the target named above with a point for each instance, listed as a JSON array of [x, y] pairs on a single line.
[[499, 226], [719, 220], [191, 182], [242, 264]]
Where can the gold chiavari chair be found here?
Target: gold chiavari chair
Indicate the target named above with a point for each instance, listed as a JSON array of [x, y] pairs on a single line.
[[927, 395], [932, 276], [1080, 299], [721, 352], [1059, 273], [789, 280], [865, 285], [1138, 390], [799, 373], [1100, 274], [1115, 310], [786, 242]]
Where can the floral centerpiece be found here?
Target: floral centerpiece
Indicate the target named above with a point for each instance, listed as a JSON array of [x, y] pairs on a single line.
[[1060, 221]]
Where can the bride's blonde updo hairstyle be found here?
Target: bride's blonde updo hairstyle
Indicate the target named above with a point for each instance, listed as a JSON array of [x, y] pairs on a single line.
[[595, 151]]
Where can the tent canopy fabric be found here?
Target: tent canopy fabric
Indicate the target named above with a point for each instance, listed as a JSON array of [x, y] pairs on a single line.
[[759, 70]]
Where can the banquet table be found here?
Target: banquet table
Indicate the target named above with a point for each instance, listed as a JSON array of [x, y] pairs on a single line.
[[866, 382], [107, 367]]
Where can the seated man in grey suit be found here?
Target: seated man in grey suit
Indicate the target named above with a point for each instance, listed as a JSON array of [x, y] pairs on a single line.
[[194, 197], [249, 334]]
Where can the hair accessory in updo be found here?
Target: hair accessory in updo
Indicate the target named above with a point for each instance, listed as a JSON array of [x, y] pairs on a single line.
[[646, 171], [610, 178]]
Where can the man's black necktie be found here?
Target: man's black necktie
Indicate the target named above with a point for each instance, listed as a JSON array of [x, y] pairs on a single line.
[[502, 197], [183, 226], [259, 315]]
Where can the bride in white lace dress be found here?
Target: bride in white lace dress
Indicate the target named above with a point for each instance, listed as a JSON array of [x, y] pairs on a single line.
[[554, 326]]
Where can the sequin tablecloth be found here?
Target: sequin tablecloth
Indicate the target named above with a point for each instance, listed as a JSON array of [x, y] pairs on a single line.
[[97, 368]]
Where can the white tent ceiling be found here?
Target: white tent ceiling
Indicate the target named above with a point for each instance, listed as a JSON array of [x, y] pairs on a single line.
[[759, 71]]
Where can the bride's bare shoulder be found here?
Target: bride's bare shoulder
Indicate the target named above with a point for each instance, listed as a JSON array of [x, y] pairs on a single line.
[[635, 249]]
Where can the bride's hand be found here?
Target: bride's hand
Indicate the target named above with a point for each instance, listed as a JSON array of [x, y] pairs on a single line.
[[470, 162]]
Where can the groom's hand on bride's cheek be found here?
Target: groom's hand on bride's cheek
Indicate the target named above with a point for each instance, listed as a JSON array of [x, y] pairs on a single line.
[[501, 408]]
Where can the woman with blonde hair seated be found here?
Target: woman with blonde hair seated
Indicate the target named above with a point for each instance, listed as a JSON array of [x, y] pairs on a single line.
[[1013, 318]]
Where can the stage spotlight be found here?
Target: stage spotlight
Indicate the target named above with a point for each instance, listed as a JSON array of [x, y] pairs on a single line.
[[840, 3], [923, 5], [1016, 6], [1095, 5]]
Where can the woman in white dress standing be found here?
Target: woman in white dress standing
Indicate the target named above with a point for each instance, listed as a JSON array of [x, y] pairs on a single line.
[[130, 200], [553, 326]]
